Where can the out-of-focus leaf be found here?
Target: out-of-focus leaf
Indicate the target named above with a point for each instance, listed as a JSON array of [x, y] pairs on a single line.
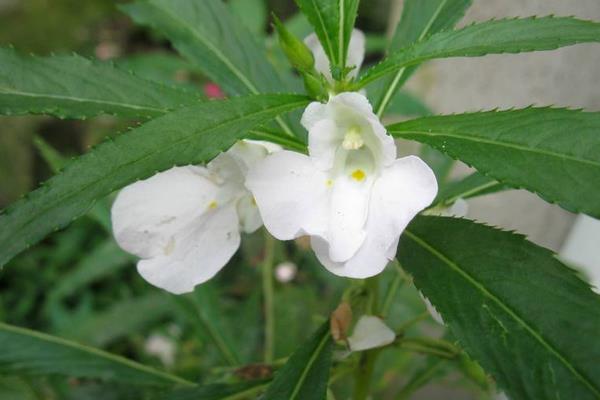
[[305, 375], [166, 68], [33, 353], [512, 306], [252, 13], [473, 185], [218, 391], [189, 136], [74, 87]]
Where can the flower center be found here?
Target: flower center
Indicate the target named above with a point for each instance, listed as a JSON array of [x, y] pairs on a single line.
[[353, 139], [358, 175]]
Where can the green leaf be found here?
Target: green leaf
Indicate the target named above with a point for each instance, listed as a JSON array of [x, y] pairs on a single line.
[[517, 310], [166, 68], [473, 185], [218, 391], [208, 35], [333, 21], [252, 13], [420, 19], [74, 87], [553, 152], [491, 37], [189, 136], [103, 260], [305, 375], [33, 353]]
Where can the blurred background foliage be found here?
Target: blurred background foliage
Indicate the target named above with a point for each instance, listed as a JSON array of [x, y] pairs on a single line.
[[79, 285]]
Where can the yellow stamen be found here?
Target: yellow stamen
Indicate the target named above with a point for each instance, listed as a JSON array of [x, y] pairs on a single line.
[[358, 175], [212, 205], [329, 183]]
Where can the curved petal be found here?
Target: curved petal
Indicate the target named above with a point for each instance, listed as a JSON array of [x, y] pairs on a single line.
[[248, 214], [146, 214], [291, 194], [314, 113], [196, 253], [370, 332], [321, 61], [348, 214], [356, 52], [323, 141], [404, 189]]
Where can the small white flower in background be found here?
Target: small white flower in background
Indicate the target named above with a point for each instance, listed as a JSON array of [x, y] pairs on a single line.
[[370, 332], [161, 347], [350, 195], [356, 54], [286, 272], [185, 223], [434, 314]]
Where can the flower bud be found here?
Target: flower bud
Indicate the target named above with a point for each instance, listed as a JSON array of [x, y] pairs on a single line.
[[315, 86], [296, 51]]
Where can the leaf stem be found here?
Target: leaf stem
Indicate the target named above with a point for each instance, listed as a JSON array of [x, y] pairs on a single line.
[[268, 290], [399, 279]]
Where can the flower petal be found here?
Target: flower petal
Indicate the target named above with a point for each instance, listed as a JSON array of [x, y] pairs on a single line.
[[146, 214], [321, 61], [248, 214], [196, 253], [404, 189], [291, 194], [370, 332], [356, 54]]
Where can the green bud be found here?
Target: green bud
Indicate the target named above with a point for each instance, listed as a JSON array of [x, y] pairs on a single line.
[[296, 51], [315, 86]]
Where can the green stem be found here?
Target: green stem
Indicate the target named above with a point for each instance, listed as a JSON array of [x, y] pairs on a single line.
[[267, 286], [399, 279], [407, 324]]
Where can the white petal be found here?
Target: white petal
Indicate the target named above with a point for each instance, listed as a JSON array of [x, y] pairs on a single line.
[[271, 147], [314, 113], [291, 194], [248, 214], [434, 314], [321, 61], [370, 332], [323, 141], [356, 52], [147, 213], [348, 214], [196, 253], [404, 189]]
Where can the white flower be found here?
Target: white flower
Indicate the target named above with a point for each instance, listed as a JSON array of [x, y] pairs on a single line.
[[351, 194], [356, 54], [370, 332], [184, 223]]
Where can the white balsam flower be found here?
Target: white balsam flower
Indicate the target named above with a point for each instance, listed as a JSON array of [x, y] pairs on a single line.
[[370, 332], [356, 54], [185, 223], [350, 195]]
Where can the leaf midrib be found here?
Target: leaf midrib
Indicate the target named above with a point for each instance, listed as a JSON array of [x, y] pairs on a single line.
[[162, 150], [324, 28], [4, 90], [495, 299], [94, 351], [468, 138], [309, 364]]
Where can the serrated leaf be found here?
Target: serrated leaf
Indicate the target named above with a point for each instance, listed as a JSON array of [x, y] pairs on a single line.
[[305, 375], [471, 186], [517, 310], [420, 19], [218, 391], [189, 136], [333, 21], [208, 35], [75, 87], [29, 352], [166, 68], [491, 37], [553, 152]]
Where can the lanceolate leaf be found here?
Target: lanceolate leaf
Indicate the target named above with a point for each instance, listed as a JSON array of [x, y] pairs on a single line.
[[206, 33], [473, 185], [189, 136], [492, 37], [420, 18], [74, 87], [333, 21], [33, 353], [517, 310], [219, 391], [305, 375], [554, 152]]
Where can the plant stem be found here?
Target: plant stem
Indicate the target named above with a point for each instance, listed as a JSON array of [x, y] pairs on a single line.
[[399, 279], [267, 283]]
